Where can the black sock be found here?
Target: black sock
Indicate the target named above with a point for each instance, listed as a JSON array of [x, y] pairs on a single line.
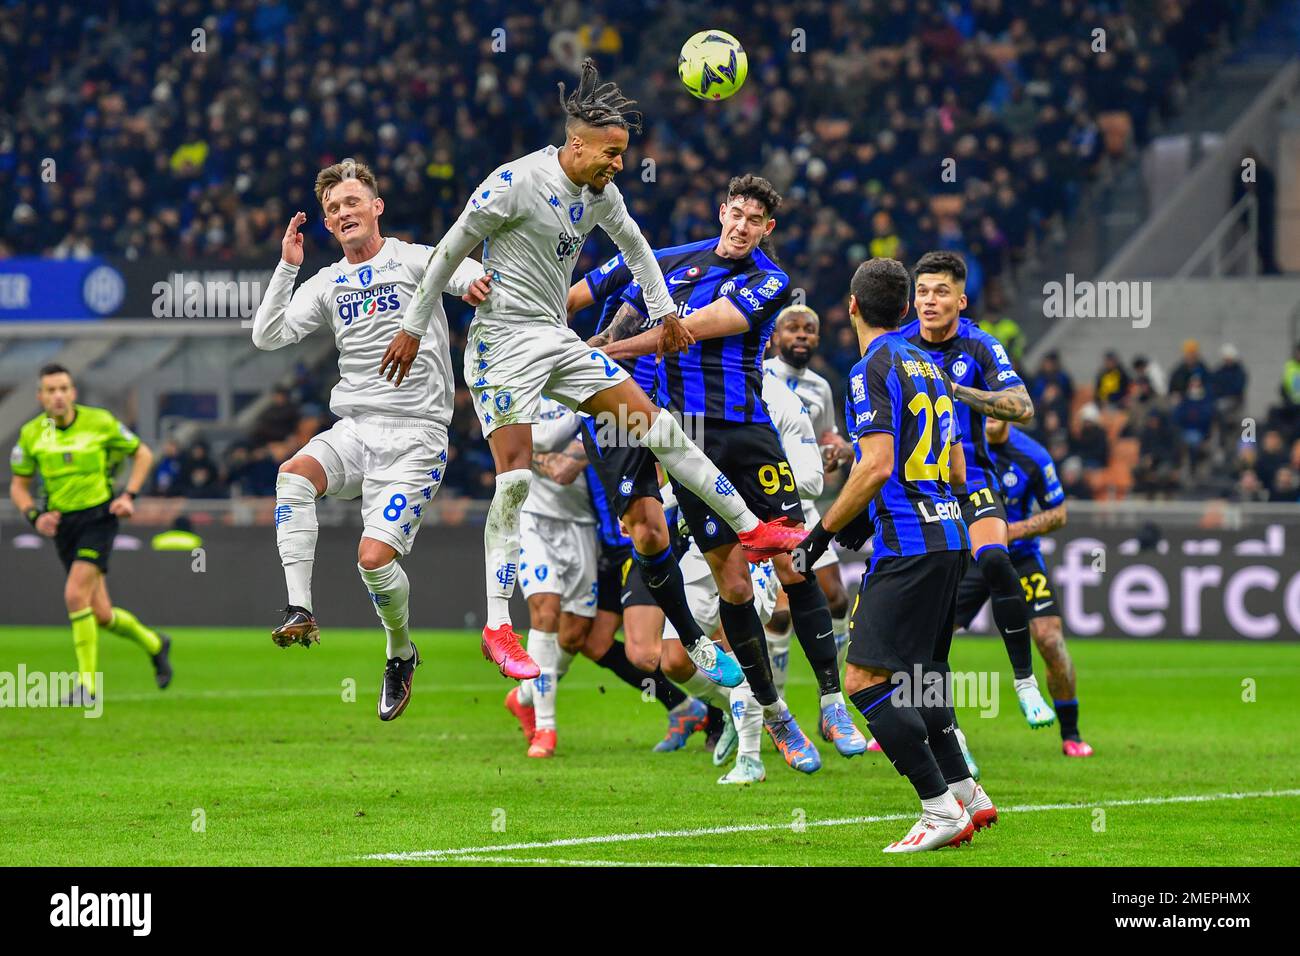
[[666, 692], [941, 727], [744, 630], [811, 616], [1067, 714], [1009, 611], [900, 731], [663, 578]]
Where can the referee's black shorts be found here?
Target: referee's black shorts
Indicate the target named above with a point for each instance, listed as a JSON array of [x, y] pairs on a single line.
[[86, 535], [904, 612]]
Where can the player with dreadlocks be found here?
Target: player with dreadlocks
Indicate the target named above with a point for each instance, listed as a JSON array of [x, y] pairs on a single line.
[[532, 216]]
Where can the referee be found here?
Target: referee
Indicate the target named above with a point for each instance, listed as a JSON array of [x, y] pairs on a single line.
[[76, 448]]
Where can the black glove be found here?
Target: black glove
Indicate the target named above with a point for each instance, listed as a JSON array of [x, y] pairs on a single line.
[[857, 532], [810, 549]]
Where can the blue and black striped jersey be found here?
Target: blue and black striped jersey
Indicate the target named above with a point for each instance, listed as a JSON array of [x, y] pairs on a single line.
[[608, 531], [607, 284], [896, 388], [1028, 475], [718, 378], [975, 359]]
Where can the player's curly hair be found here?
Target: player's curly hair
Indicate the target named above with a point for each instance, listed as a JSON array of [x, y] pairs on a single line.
[[756, 188], [598, 104]]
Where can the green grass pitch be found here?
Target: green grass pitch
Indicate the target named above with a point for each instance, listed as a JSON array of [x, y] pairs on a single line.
[[255, 757]]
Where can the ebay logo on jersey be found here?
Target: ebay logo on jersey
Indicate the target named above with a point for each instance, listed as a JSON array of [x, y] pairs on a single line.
[[366, 303]]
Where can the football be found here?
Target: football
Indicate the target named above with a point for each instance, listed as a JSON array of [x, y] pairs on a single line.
[[712, 65]]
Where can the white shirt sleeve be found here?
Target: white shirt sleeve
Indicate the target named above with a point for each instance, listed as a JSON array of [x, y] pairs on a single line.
[[285, 316], [557, 427], [466, 273], [637, 254], [795, 427], [826, 418], [488, 210]]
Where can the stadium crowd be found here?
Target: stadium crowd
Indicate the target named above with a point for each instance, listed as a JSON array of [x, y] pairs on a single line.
[[891, 126]]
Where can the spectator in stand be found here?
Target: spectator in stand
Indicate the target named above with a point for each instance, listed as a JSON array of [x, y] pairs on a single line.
[[1112, 381], [1091, 445], [1286, 487], [1194, 416], [167, 473], [1190, 364], [278, 420], [1249, 488], [1141, 399], [1287, 415], [1228, 389], [1272, 456], [1160, 454], [1074, 481], [1051, 387], [1153, 372]]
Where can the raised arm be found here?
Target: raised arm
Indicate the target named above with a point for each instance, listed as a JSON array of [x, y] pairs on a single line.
[[285, 316], [717, 319]]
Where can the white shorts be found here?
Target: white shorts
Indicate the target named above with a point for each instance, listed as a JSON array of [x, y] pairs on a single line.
[[508, 366], [394, 464], [558, 557], [702, 592], [810, 518]]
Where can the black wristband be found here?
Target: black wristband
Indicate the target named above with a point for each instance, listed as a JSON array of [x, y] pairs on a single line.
[[132, 494], [33, 514]]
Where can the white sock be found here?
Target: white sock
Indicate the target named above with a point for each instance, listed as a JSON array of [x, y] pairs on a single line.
[[697, 685], [840, 629], [963, 790], [295, 534], [501, 542], [1025, 683], [562, 664], [778, 650], [944, 805], [526, 693], [685, 462], [835, 698], [389, 590], [748, 716], [774, 710], [544, 648]]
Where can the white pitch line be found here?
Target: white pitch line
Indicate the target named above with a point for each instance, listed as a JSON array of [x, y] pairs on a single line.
[[543, 861], [463, 852]]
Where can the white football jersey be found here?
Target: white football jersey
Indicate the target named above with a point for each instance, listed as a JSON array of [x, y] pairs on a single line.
[[557, 425], [532, 221], [813, 390], [363, 304], [794, 425]]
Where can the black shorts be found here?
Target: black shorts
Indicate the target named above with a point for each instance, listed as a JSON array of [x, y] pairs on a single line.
[[86, 535], [1040, 599], [984, 503], [626, 472], [619, 583], [904, 611], [750, 456]]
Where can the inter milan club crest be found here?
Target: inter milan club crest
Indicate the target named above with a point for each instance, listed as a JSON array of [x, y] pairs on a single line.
[[575, 212], [364, 275], [959, 368]]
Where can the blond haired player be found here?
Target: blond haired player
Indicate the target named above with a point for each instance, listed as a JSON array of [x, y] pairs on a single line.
[[389, 446]]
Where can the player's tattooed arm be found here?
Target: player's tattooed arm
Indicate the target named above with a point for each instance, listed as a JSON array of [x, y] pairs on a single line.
[[1010, 405], [625, 324], [1044, 522], [562, 467]]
